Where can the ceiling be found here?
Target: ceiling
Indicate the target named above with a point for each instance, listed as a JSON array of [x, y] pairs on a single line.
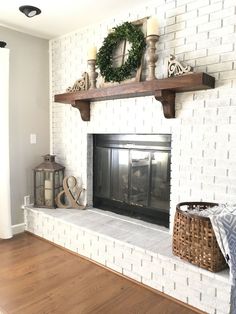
[[61, 16]]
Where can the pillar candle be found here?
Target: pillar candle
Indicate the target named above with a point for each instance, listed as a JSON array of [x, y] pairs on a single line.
[[48, 193], [92, 53], [152, 26]]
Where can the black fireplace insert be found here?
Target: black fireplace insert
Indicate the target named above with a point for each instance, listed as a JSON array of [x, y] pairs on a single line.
[[132, 175]]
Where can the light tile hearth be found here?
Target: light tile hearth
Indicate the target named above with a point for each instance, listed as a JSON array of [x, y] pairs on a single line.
[[137, 249]]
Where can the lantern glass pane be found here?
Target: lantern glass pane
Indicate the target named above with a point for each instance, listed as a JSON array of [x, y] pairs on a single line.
[[39, 178], [49, 202], [61, 176], [56, 192], [48, 188], [39, 196], [48, 175], [57, 183]]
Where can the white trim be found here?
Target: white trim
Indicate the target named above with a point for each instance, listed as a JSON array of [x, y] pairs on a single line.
[[18, 228], [50, 98]]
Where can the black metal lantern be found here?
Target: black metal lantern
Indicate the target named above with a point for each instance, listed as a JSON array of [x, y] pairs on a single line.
[[48, 181]]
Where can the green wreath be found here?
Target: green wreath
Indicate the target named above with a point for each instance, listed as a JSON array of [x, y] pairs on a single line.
[[133, 34]]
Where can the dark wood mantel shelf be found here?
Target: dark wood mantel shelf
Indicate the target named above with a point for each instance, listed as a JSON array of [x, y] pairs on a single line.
[[163, 90]]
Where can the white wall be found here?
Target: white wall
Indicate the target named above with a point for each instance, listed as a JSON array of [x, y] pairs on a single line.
[[203, 34], [29, 112]]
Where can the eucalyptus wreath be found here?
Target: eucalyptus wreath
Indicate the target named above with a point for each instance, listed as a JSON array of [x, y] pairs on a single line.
[[133, 34]]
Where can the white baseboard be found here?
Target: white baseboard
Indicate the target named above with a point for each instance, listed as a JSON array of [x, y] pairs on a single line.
[[18, 228]]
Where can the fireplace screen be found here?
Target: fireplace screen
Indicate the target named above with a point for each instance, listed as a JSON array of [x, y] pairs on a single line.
[[132, 175]]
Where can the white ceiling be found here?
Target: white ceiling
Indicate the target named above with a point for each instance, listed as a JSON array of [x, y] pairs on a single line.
[[59, 17]]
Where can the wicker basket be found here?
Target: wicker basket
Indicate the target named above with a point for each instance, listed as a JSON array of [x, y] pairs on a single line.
[[194, 238]]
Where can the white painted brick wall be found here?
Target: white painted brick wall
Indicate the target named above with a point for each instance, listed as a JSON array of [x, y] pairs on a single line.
[[203, 34]]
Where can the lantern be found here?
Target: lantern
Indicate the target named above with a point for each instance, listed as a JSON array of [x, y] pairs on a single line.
[[48, 180]]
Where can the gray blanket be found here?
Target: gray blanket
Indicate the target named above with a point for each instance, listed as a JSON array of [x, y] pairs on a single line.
[[224, 225], [223, 219]]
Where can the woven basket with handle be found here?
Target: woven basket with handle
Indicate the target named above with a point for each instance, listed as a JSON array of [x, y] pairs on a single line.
[[194, 239]]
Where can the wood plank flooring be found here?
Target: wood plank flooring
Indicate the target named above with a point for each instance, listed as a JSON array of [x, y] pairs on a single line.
[[37, 277]]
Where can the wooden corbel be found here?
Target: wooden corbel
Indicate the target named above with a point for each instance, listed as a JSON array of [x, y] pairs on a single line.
[[84, 108], [167, 98]]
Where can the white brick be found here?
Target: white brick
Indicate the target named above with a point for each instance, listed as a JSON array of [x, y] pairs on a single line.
[[209, 43], [229, 4], [209, 26], [214, 1], [186, 32], [195, 54], [175, 27], [207, 60], [221, 14], [227, 56], [98, 258], [197, 4], [228, 75], [226, 93], [186, 16], [174, 43], [197, 21], [142, 255], [153, 284], [220, 305], [221, 312], [170, 21], [221, 49], [176, 11], [132, 275], [167, 37], [181, 2], [225, 66], [154, 267], [230, 38], [143, 271], [114, 267], [222, 32], [122, 262], [197, 38], [185, 48], [210, 8]]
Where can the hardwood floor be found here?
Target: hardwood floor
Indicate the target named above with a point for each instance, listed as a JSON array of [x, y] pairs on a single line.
[[38, 277]]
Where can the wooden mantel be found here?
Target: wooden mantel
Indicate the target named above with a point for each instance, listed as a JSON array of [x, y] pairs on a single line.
[[163, 90]]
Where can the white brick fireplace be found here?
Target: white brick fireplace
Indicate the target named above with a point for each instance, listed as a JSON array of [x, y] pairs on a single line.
[[203, 133], [203, 153]]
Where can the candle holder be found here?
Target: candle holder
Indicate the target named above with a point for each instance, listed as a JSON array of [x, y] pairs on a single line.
[[151, 41], [92, 74]]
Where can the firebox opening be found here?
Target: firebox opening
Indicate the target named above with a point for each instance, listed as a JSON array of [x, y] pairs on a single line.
[[132, 175]]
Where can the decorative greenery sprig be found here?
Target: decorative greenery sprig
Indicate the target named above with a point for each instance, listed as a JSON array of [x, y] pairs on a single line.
[[133, 34]]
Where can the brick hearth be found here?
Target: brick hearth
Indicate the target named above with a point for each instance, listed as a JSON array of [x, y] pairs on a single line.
[[139, 250]]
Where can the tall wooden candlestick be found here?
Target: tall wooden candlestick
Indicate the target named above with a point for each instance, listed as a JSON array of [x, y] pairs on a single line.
[[92, 74], [151, 56]]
